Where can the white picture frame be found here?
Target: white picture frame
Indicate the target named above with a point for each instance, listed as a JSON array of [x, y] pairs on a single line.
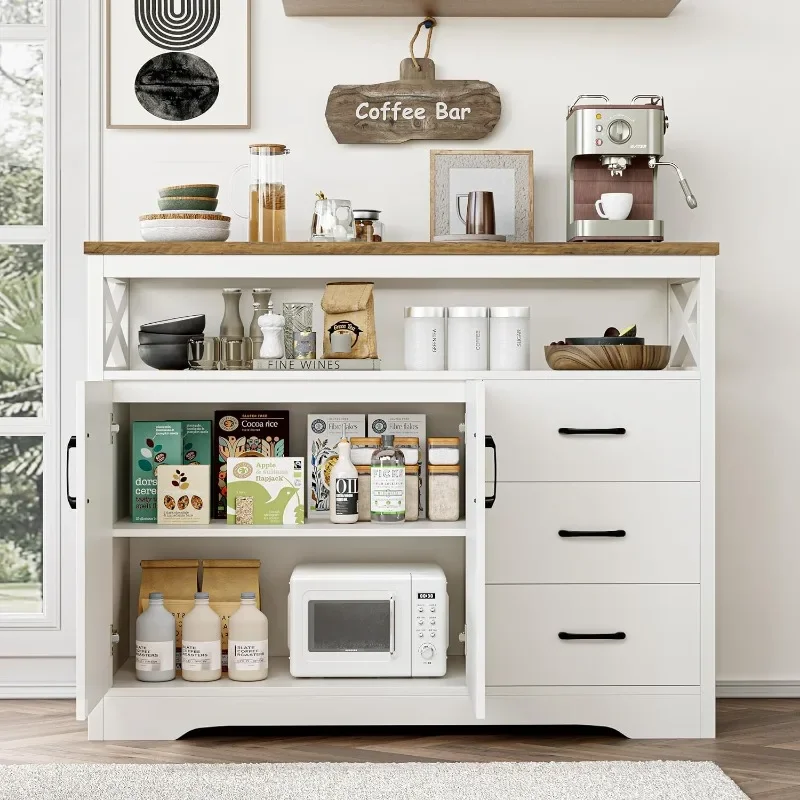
[[206, 52]]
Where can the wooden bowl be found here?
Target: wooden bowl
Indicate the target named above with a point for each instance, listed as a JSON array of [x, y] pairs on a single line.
[[620, 356]]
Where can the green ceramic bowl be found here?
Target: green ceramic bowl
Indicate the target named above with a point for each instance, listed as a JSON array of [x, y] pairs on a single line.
[[187, 204], [190, 190]]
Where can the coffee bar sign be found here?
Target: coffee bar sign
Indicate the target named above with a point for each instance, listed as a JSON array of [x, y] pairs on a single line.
[[415, 107]]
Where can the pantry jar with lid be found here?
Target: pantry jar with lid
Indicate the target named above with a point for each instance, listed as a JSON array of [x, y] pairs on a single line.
[[467, 338], [364, 481], [444, 451], [267, 214], [509, 338], [369, 227], [409, 447], [412, 491], [425, 337], [362, 448], [444, 493]]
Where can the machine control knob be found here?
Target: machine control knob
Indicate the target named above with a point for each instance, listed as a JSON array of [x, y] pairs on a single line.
[[427, 651], [598, 128], [619, 131]]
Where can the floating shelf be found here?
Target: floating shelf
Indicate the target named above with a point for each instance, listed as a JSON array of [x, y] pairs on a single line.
[[479, 8], [314, 527]]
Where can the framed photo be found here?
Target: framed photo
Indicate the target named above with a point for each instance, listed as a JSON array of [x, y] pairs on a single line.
[[178, 63], [508, 174]]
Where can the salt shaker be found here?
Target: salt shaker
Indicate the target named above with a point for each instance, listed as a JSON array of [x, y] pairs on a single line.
[[272, 326]]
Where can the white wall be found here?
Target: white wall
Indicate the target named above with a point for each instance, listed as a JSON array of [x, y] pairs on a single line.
[[724, 68]]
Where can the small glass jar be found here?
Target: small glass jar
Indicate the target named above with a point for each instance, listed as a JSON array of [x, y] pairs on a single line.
[[412, 491], [424, 333], [409, 446], [444, 451], [235, 352], [468, 338], [369, 227], [364, 512], [362, 448], [444, 493], [203, 352]]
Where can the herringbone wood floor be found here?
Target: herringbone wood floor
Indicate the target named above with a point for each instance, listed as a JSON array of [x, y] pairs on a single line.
[[758, 744]]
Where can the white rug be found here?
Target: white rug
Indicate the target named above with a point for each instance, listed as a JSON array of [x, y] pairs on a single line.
[[586, 780]]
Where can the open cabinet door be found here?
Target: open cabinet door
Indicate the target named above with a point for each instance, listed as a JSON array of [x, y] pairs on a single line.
[[475, 644], [95, 505]]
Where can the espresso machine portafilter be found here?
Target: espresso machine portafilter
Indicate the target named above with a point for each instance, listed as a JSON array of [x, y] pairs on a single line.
[[616, 149]]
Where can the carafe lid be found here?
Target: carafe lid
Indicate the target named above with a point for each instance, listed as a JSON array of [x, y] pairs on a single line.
[[272, 149]]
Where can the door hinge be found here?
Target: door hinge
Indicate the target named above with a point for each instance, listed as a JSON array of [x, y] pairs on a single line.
[[114, 638], [113, 427], [462, 637]]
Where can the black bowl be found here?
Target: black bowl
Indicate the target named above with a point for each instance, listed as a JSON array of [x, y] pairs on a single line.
[[196, 323], [605, 340], [165, 356], [147, 337]]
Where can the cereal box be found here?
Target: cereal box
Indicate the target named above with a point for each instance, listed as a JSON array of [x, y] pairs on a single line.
[[183, 494], [265, 491], [196, 434], [324, 433], [153, 444]]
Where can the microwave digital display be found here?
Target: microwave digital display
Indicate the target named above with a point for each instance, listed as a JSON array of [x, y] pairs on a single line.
[[426, 595]]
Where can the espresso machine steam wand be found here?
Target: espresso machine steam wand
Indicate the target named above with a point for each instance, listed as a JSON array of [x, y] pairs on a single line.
[[691, 200]]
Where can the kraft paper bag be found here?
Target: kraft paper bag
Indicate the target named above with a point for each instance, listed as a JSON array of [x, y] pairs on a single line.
[[350, 307]]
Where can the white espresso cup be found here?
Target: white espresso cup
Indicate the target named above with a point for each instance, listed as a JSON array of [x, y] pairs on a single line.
[[614, 205]]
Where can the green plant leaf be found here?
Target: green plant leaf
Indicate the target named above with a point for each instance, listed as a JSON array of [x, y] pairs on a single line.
[[158, 448], [187, 445], [145, 466]]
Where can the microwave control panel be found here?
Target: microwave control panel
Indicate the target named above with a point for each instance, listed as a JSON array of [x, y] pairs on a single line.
[[429, 638]]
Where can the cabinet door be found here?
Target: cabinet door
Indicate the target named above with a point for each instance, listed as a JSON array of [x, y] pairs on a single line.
[[94, 544], [475, 547]]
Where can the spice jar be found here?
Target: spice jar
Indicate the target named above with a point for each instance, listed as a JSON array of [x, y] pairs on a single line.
[[364, 511], [369, 227], [412, 491], [444, 451], [424, 332], [362, 448], [409, 446], [468, 338], [444, 493]]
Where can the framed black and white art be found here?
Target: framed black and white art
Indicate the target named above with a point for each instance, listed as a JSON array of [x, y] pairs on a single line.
[[178, 63]]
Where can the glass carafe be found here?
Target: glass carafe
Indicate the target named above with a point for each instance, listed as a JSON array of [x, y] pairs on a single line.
[[267, 215]]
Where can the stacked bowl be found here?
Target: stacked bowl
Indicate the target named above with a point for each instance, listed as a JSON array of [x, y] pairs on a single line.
[[165, 344], [188, 214]]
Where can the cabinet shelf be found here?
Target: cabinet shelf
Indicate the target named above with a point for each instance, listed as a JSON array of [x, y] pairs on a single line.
[[219, 529]]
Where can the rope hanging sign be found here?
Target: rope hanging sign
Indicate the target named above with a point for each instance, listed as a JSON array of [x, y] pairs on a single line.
[[415, 107]]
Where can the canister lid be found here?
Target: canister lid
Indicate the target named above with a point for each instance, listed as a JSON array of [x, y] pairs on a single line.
[[406, 441], [443, 470], [425, 311], [272, 149], [201, 595], [510, 311], [444, 441], [363, 470], [361, 441], [412, 469], [366, 213], [468, 311]]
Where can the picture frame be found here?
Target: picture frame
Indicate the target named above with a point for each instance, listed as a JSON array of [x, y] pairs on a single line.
[[507, 173], [208, 56]]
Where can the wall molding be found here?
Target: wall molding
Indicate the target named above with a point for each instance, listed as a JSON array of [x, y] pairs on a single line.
[[754, 689], [37, 691]]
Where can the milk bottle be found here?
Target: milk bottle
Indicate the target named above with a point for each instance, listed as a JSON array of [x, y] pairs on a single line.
[[201, 654], [155, 642], [247, 642]]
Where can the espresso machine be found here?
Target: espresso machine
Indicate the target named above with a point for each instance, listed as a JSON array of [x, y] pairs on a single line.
[[616, 149]]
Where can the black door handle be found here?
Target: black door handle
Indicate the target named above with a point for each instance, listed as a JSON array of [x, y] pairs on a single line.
[[490, 500], [592, 534], [71, 445], [571, 637], [592, 431]]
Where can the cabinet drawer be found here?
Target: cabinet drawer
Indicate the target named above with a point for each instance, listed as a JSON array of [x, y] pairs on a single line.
[[660, 419], [594, 533], [661, 626]]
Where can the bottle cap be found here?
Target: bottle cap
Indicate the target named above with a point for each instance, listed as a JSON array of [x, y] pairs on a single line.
[[156, 596], [248, 595], [387, 440], [201, 595]]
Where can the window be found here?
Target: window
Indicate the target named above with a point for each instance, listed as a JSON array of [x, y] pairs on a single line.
[[29, 534]]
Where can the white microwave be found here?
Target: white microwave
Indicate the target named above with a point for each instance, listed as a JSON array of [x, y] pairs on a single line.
[[368, 620]]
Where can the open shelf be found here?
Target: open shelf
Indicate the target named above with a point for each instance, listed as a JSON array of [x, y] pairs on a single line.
[[479, 8], [314, 527], [281, 684]]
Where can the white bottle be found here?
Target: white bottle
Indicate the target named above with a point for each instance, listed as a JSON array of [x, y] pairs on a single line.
[[344, 487], [155, 642], [247, 641], [201, 651]]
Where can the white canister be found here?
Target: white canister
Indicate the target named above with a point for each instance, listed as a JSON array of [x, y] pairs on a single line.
[[425, 337], [510, 338], [467, 338]]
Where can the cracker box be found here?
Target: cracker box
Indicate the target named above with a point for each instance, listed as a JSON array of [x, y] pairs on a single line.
[[183, 494], [265, 491], [324, 433], [153, 444], [406, 425], [196, 434], [246, 434]]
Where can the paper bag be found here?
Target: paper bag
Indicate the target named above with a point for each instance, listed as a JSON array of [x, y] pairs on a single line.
[[350, 308]]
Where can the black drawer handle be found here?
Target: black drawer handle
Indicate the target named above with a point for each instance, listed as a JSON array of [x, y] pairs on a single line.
[[571, 637], [592, 431], [592, 534], [492, 498], [71, 445]]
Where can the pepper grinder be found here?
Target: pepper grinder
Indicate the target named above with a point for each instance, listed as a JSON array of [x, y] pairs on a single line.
[[232, 324], [261, 298], [272, 326]]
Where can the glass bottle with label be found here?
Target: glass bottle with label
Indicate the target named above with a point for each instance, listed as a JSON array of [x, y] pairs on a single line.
[[248, 641], [155, 642], [344, 487], [201, 650], [388, 483]]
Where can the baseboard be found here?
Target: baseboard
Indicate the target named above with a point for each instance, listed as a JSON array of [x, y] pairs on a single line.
[[778, 689], [37, 691]]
